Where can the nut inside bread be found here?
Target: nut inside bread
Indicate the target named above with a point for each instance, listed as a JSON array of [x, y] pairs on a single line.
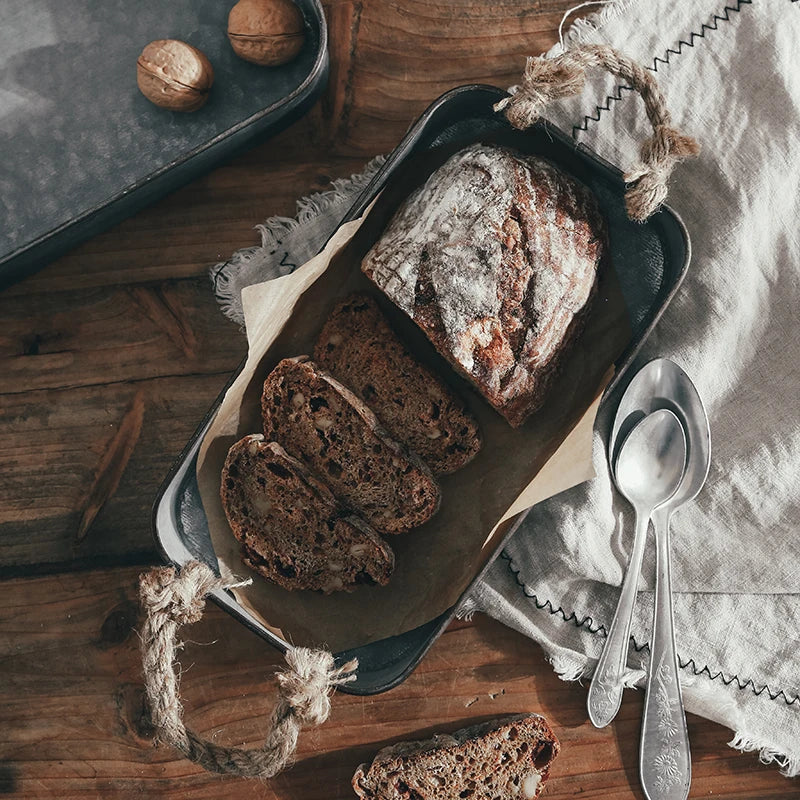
[[358, 347], [291, 529], [501, 759], [322, 423]]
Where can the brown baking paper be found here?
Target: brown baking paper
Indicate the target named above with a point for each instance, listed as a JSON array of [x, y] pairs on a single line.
[[515, 469]]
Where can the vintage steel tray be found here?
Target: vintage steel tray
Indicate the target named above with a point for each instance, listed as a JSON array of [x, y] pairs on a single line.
[[83, 149], [650, 260]]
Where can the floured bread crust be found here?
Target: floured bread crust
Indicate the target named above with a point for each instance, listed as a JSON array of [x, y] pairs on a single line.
[[495, 257]]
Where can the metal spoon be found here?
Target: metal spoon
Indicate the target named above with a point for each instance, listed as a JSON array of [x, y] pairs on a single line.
[[665, 765], [663, 384], [649, 469]]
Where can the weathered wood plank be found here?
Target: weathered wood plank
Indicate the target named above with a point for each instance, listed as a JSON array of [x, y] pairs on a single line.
[[80, 468], [54, 340], [74, 724], [333, 114], [407, 54]]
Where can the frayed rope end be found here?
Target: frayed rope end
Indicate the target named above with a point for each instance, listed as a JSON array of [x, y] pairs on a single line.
[[309, 682], [660, 153], [545, 80]]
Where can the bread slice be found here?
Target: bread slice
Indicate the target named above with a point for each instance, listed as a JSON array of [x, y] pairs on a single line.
[[291, 529], [324, 424], [358, 347], [498, 760]]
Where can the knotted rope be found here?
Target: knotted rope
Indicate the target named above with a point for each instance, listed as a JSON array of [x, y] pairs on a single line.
[[171, 600], [549, 79]]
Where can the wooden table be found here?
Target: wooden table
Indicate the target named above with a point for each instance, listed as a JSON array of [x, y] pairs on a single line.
[[110, 357]]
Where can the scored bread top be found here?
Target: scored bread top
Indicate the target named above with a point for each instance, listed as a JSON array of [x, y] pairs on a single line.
[[321, 422], [358, 346], [495, 257], [509, 757], [291, 529]]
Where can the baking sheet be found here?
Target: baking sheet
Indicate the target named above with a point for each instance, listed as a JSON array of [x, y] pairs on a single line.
[[81, 146], [515, 468]]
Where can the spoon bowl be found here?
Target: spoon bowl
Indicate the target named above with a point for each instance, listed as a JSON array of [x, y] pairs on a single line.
[[652, 460], [661, 383]]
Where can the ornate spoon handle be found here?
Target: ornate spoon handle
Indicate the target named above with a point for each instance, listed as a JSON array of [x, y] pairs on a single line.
[[665, 764], [605, 691]]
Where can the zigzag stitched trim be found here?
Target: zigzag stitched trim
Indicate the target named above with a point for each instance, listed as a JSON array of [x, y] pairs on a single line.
[[687, 664], [616, 96]]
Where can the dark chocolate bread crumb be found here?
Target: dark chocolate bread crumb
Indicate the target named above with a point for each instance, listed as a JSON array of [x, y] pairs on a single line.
[[322, 423], [498, 760], [291, 529], [358, 347]]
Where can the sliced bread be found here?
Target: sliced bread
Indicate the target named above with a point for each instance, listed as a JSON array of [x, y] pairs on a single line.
[[322, 423], [291, 529], [498, 760], [358, 347]]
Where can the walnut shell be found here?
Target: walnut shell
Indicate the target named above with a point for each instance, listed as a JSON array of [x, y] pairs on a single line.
[[266, 32], [174, 75]]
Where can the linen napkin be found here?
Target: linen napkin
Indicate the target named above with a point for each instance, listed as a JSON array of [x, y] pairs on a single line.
[[730, 77]]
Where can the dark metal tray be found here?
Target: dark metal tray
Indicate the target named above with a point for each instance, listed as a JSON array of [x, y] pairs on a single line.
[[83, 149], [650, 260]]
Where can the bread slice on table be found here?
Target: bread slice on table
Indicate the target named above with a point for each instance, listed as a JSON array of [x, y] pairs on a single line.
[[322, 423], [291, 529], [498, 760], [496, 259], [358, 347]]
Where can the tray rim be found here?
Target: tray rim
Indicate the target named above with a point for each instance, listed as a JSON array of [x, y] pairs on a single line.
[[222, 597], [36, 253]]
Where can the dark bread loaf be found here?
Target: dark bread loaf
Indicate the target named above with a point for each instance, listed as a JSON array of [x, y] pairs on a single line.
[[358, 347], [291, 529], [324, 424], [498, 760], [496, 259]]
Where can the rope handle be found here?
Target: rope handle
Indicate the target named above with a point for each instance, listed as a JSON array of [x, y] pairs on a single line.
[[171, 600], [548, 79]]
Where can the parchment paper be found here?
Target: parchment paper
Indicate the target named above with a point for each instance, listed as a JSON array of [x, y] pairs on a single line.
[[515, 469]]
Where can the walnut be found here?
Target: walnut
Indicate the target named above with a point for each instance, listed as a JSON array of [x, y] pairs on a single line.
[[266, 32], [174, 75]]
